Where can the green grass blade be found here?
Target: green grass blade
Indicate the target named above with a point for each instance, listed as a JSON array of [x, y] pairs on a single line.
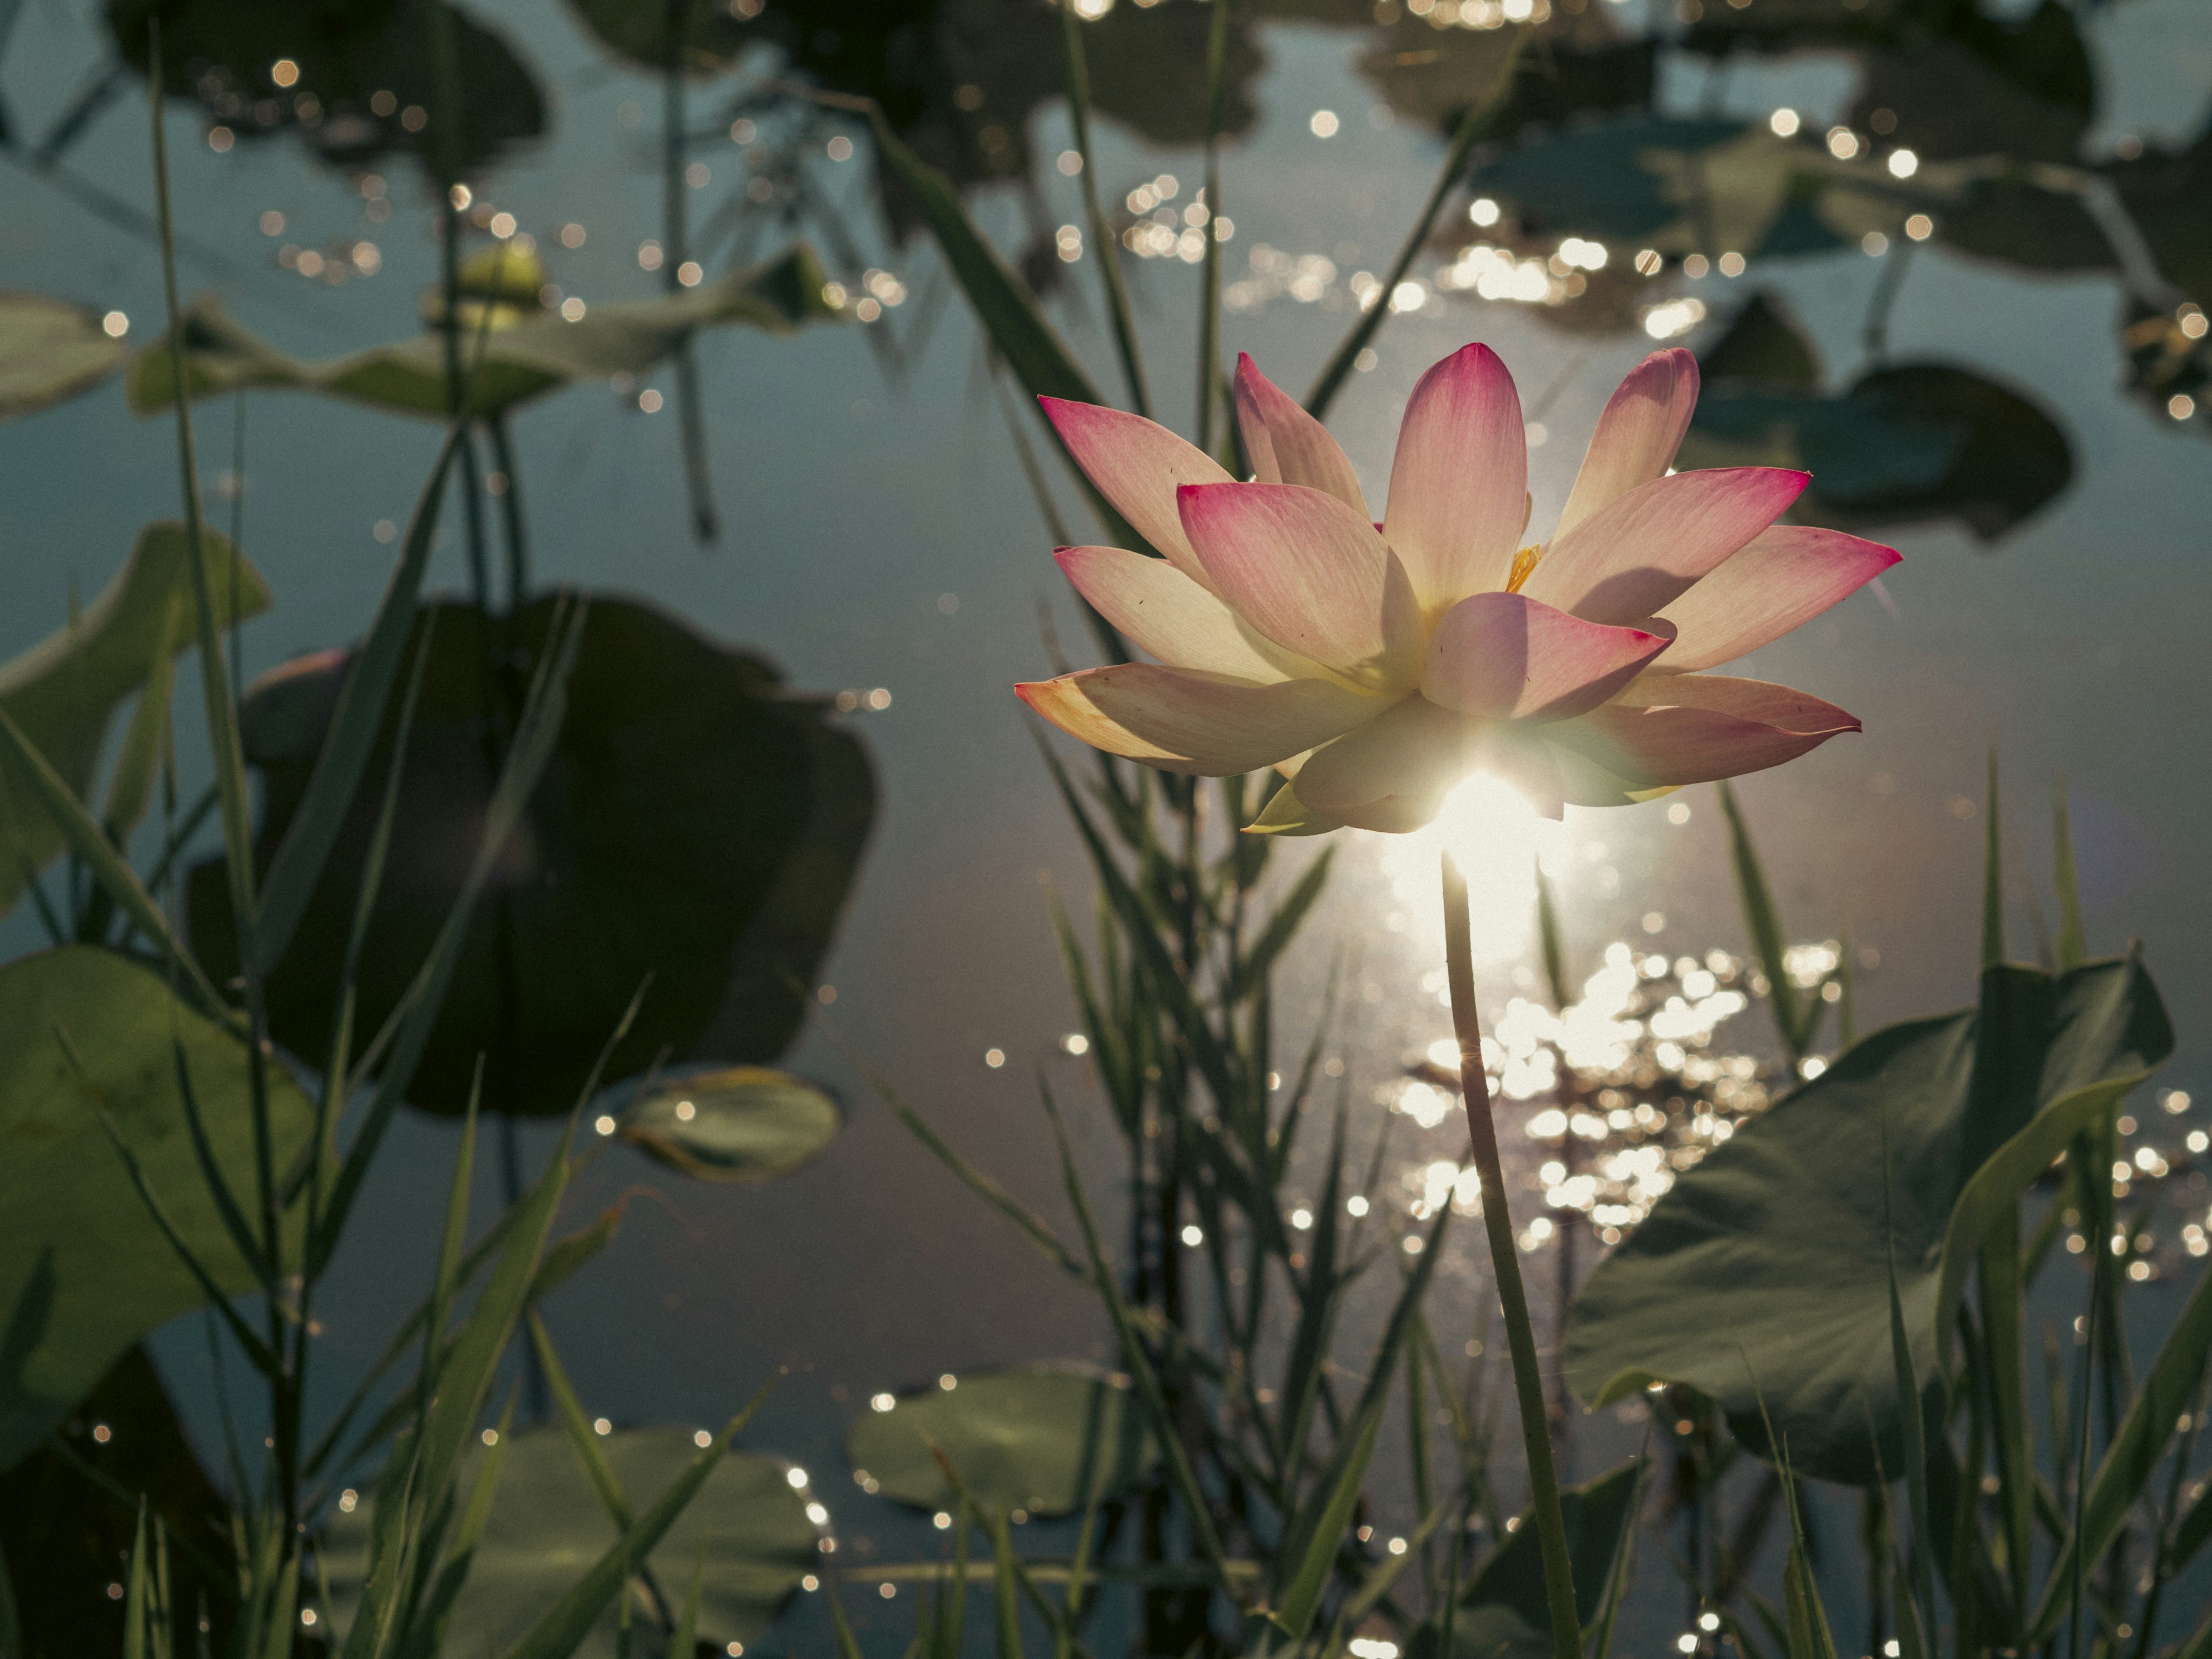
[[1289, 916], [1006, 1591], [242, 1236], [1764, 920], [215, 681], [450, 1242], [145, 743], [136, 1594], [686, 1641], [2134, 1454], [542, 713], [1554, 944], [1908, 1399], [1473, 127], [355, 721], [108, 867], [1198, 1513], [589, 1451], [1624, 1564], [1076, 75], [2072, 944], [566, 1623]]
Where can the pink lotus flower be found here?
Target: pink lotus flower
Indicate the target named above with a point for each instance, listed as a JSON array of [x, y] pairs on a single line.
[[1375, 666]]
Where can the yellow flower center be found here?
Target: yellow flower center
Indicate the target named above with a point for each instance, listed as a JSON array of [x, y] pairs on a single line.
[[1524, 562]]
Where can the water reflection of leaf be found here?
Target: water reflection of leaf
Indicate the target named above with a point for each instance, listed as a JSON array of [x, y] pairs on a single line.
[[534, 356], [367, 74], [748, 1525], [1906, 443], [697, 824], [50, 351]]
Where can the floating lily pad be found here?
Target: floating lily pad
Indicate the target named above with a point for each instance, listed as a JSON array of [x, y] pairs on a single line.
[[537, 355], [1765, 1268], [548, 1525], [218, 53], [50, 351], [737, 1123], [698, 825], [1503, 1613], [713, 36], [63, 690], [85, 1271], [1020, 1440]]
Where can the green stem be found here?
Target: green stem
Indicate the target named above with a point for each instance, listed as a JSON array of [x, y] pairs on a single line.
[[1505, 1262], [1209, 310], [1472, 129], [692, 419], [1102, 236]]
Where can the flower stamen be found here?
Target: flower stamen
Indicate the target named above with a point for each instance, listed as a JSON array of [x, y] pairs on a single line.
[[1524, 563]]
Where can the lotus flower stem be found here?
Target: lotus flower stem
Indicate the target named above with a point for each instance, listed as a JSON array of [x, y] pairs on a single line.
[[1505, 1262]]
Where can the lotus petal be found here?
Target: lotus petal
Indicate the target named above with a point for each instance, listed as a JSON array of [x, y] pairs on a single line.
[[1180, 720], [1784, 578], [1137, 466], [1638, 435], [1287, 445], [1459, 484], [1157, 608], [1693, 728], [1510, 658]]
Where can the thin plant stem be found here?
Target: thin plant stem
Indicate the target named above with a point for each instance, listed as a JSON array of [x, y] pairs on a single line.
[[1472, 128], [1103, 242], [1209, 308], [510, 502], [1513, 1297], [692, 419]]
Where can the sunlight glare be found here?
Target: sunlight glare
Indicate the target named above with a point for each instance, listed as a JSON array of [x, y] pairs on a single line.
[[1498, 837]]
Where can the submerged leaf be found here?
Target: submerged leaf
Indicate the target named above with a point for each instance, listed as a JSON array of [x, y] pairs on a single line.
[[1772, 1251], [1021, 1440], [740, 1123], [535, 355], [84, 1269], [548, 1525], [50, 351], [697, 824]]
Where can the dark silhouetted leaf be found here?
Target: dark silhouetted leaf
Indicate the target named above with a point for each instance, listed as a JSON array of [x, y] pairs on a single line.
[[218, 53], [737, 1123], [1019, 1439], [1503, 1613], [697, 824]]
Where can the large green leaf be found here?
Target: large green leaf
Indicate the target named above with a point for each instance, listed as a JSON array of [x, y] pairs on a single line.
[[548, 1526], [523, 360], [84, 1269], [63, 691], [1765, 1267], [50, 351], [1503, 1613], [733, 1123], [697, 824], [1020, 1440]]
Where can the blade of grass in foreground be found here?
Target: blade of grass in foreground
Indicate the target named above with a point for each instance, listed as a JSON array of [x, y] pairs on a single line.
[[1076, 75], [1791, 1017]]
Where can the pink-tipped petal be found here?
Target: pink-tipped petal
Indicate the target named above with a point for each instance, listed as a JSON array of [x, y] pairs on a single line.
[[1459, 484], [1630, 558], [1137, 466], [1638, 435], [1391, 774], [1286, 445], [1508, 657], [1693, 728], [1158, 608], [1204, 724], [1309, 572], [1784, 579]]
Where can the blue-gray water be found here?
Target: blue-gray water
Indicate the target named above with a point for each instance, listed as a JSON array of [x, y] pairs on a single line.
[[881, 535]]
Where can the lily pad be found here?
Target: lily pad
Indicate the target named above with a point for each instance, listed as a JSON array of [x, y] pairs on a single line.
[[698, 826], [362, 66], [63, 690], [1765, 1269], [748, 1525], [84, 1269], [739, 1123], [1503, 1613], [712, 35], [536, 356], [1020, 1440], [50, 351]]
